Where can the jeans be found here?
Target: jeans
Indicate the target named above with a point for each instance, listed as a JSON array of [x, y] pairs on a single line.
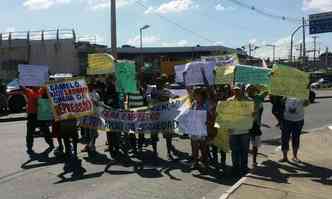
[[32, 124], [239, 145], [291, 128]]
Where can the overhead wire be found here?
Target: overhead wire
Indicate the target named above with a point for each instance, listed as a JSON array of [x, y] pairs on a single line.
[[139, 2], [264, 12]]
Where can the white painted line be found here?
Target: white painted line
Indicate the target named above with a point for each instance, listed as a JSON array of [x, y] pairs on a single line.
[[233, 188]]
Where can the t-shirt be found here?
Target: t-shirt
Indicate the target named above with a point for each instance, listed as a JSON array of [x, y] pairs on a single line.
[[32, 100], [237, 131], [259, 100], [294, 110]]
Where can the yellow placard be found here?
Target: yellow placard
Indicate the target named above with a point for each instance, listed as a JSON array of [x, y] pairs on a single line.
[[100, 63], [237, 115], [289, 82], [222, 140], [224, 75]]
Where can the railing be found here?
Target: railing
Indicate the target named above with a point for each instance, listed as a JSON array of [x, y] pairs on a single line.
[[39, 35]]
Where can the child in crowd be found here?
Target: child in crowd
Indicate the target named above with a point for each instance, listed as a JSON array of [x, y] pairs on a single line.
[[258, 95], [199, 143]]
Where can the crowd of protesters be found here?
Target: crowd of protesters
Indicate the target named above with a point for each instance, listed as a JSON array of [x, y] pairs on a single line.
[[288, 111]]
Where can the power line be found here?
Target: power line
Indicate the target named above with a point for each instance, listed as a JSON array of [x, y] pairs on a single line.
[[264, 12], [138, 2]]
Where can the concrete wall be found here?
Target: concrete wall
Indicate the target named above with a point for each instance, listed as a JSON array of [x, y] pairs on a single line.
[[60, 55]]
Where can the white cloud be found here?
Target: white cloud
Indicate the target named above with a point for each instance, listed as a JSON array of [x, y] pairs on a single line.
[[147, 40], [317, 5], [10, 29], [174, 6], [220, 7], [282, 49], [43, 4], [180, 43], [101, 4], [253, 41], [219, 43], [153, 40]]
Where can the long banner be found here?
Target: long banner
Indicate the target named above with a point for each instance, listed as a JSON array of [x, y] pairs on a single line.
[[161, 117], [289, 82], [70, 99], [236, 115]]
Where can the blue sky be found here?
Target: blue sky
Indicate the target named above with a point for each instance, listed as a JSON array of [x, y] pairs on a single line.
[[207, 22]]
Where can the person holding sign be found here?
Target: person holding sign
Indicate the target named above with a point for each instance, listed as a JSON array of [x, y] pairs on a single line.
[[45, 116], [292, 126], [256, 93], [199, 142], [33, 95], [92, 133], [239, 139]]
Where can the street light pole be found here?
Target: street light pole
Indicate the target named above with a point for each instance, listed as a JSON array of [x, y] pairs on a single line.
[[113, 29], [292, 39], [141, 49]]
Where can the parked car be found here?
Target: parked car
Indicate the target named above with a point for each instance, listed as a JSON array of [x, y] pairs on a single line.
[[322, 83], [16, 99]]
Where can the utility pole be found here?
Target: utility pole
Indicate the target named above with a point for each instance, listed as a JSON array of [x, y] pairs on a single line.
[[326, 56], [304, 48], [113, 29]]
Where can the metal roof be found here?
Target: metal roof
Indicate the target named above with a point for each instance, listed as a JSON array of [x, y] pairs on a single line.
[[159, 50]]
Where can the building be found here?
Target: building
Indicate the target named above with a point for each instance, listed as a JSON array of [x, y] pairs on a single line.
[[56, 48], [162, 59]]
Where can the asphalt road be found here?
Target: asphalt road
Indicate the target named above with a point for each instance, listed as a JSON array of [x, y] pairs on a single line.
[[164, 179]]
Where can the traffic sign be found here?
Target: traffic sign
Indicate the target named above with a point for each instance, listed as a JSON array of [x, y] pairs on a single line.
[[320, 23]]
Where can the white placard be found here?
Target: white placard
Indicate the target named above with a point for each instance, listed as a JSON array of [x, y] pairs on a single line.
[[195, 72], [193, 122], [33, 75], [179, 69]]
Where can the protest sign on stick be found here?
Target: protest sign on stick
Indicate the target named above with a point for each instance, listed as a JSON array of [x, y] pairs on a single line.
[[199, 73], [179, 69], [100, 63], [32, 75], [70, 99], [289, 82], [235, 114], [193, 122], [126, 81], [253, 75]]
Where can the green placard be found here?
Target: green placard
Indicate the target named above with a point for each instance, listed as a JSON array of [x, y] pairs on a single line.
[[253, 75], [126, 81]]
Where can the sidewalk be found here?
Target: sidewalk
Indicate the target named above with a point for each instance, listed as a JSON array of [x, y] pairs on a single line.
[[310, 179]]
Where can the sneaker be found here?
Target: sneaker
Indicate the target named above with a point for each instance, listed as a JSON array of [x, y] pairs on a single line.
[[58, 151], [30, 152], [85, 149]]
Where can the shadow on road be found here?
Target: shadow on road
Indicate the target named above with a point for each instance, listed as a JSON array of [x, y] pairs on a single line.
[[271, 171], [43, 159]]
